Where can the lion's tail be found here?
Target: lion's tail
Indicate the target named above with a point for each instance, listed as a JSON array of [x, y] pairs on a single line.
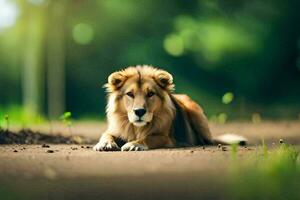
[[228, 139]]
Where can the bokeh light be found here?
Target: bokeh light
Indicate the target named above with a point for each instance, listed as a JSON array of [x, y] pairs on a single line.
[[214, 38], [83, 33], [8, 13], [256, 118], [222, 118], [173, 44], [227, 98]]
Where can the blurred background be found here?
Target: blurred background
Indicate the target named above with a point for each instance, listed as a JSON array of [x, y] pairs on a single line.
[[239, 59]]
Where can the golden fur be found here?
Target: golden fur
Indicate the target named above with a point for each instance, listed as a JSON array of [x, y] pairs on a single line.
[[167, 120]]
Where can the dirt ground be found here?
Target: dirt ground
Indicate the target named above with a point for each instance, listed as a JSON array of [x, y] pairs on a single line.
[[63, 171]]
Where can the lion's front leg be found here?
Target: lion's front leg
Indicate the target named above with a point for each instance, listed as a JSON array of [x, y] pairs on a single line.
[[150, 142], [106, 143]]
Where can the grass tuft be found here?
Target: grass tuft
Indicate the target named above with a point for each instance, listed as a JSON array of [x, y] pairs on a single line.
[[274, 175]]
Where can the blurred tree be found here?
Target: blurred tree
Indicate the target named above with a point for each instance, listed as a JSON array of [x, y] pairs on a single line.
[[56, 58], [33, 67], [250, 48]]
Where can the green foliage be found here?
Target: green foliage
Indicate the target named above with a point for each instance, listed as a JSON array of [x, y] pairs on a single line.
[[227, 98], [264, 149], [17, 115], [234, 150], [208, 46], [214, 37], [66, 118], [8, 193], [275, 176], [6, 118], [220, 118], [256, 118]]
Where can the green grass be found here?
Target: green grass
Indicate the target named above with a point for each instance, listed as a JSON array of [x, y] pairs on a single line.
[[16, 115], [268, 174]]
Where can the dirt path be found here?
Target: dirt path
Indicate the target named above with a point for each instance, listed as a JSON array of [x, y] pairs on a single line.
[[268, 130], [75, 171], [71, 171], [71, 161]]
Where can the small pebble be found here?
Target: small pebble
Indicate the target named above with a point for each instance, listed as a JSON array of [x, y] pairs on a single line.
[[88, 147], [45, 146], [224, 149], [219, 145], [192, 151], [50, 151], [74, 148], [203, 147], [82, 147], [281, 141], [15, 151]]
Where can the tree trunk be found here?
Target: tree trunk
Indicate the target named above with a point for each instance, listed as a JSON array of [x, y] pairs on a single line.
[[56, 59], [33, 68]]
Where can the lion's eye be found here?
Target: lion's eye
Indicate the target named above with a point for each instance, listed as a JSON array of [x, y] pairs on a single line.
[[150, 94], [130, 94]]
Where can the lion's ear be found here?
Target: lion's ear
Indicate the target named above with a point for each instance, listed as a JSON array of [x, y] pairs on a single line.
[[164, 80], [115, 81]]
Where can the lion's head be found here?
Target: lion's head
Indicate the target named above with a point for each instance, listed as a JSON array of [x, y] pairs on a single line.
[[139, 93]]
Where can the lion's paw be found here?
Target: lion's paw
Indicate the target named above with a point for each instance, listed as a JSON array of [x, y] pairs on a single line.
[[106, 146], [132, 146]]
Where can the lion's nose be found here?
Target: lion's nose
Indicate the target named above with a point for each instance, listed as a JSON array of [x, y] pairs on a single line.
[[140, 112]]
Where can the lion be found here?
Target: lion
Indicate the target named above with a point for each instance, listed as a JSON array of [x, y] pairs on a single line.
[[143, 113]]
